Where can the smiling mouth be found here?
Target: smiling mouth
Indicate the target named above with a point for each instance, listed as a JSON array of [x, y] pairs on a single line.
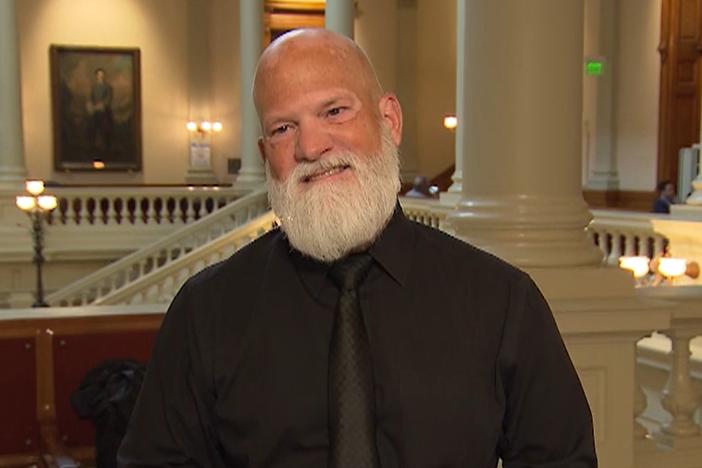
[[326, 173]]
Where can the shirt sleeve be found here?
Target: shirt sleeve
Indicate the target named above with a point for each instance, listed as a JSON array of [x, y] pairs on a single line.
[[547, 420], [171, 422]]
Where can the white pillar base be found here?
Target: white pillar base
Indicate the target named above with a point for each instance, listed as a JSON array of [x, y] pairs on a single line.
[[603, 181], [528, 231], [696, 197]]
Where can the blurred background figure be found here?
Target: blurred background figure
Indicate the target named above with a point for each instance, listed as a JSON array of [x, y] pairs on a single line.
[[420, 188], [666, 197]]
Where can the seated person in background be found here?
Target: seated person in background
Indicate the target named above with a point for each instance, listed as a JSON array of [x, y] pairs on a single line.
[[353, 337], [666, 197], [420, 188]]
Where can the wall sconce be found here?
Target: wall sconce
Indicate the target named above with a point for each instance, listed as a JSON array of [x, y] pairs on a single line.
[[37, 206], [672, 268], [638, 265], [660, 270], [204, 127], [450, 122]]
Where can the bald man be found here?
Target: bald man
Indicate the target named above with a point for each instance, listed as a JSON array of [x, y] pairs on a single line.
[[437, 355]]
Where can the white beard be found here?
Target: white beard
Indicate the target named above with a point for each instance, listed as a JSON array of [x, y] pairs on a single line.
[[328, 220]]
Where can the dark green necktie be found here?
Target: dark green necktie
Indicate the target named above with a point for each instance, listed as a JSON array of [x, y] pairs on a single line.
[[351, 393]]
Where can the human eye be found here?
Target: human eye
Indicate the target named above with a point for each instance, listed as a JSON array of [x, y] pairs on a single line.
[[279, 130], [336, 111]]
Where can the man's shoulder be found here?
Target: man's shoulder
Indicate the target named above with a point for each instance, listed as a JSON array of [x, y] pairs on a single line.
[[245, 266], [460, 256]]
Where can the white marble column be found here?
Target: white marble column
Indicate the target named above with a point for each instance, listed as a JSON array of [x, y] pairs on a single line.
[[251, 174], [453, 195], [520, 133], [200, 157], [12, 169], [339, 16], [600, 21]]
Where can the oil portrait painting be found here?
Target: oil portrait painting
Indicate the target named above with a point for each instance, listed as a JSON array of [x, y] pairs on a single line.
[[96, 108]]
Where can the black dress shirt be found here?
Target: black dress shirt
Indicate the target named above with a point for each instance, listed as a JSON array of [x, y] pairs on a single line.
[[468, 363]]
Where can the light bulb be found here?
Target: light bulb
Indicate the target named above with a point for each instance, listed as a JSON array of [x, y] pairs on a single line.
[[206, 125], [191, 126], [217, 126]]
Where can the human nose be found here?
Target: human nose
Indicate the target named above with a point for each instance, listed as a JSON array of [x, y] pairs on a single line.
[[313, 141]]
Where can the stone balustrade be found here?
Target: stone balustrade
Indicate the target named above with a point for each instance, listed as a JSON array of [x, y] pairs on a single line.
[[128, 206], [425, 211], [619, 233], [130, 269]]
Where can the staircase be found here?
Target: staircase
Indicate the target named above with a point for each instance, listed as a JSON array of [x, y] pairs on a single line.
[[190, 248]]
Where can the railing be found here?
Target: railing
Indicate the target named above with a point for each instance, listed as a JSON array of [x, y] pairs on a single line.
[[120, 206], [425, 211], [673, 401], [130, 269], [161, 285], [619, 233]]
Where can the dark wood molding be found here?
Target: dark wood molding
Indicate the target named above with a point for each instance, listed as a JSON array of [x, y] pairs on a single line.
[[629, 200]]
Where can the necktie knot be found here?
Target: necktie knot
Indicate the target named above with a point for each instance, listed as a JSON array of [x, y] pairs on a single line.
[[348, 273]]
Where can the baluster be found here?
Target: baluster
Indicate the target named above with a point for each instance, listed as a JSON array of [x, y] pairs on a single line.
[[602, 243], [190, 210], [71, 212], [680, 398], [629, 244], [150, 211], [640, 431], [111, 213], [201, 207], [114, 283], [644, 248], [658, 242], [616, 250]]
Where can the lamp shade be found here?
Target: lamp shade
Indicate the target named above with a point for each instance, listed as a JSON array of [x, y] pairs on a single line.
[[25, 203], [638, 265], [35, 187], [47, 202], [672, 267]]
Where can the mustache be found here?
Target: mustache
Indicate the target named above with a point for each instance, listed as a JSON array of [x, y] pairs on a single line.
[[303, 172]]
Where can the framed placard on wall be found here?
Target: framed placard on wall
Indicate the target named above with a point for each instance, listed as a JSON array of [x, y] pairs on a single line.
[[96, 108]]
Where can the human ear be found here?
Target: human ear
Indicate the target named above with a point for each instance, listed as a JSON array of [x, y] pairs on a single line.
[[262, 149], [391, 115]]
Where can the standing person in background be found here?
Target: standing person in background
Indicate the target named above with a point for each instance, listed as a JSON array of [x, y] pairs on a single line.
[[666, 197]]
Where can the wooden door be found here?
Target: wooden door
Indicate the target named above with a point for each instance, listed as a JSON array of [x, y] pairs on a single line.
[[680, 51]]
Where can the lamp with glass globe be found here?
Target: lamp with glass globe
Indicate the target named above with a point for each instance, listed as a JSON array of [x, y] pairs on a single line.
[[37, 206]]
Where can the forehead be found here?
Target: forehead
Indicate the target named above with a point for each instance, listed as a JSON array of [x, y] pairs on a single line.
[[295, 73]]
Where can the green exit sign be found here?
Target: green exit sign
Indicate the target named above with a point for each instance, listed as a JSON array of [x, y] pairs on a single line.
[[594, 67]]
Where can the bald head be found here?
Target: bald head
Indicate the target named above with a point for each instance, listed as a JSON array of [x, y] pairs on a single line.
[[316, 51]]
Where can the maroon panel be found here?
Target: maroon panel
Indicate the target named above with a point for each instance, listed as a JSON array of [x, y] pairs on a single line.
[[18, 396], [74, 356]]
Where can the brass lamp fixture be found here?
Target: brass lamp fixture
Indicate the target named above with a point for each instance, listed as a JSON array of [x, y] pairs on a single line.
[[37, 206]]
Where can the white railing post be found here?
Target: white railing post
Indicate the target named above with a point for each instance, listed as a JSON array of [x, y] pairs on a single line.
[[616, 249], [681, 399]]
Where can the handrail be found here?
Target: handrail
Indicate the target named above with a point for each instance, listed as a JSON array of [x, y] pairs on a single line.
[[129, 269], [160, 285]]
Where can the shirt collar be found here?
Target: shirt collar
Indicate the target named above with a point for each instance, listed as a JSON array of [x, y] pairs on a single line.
[[391, 251]]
